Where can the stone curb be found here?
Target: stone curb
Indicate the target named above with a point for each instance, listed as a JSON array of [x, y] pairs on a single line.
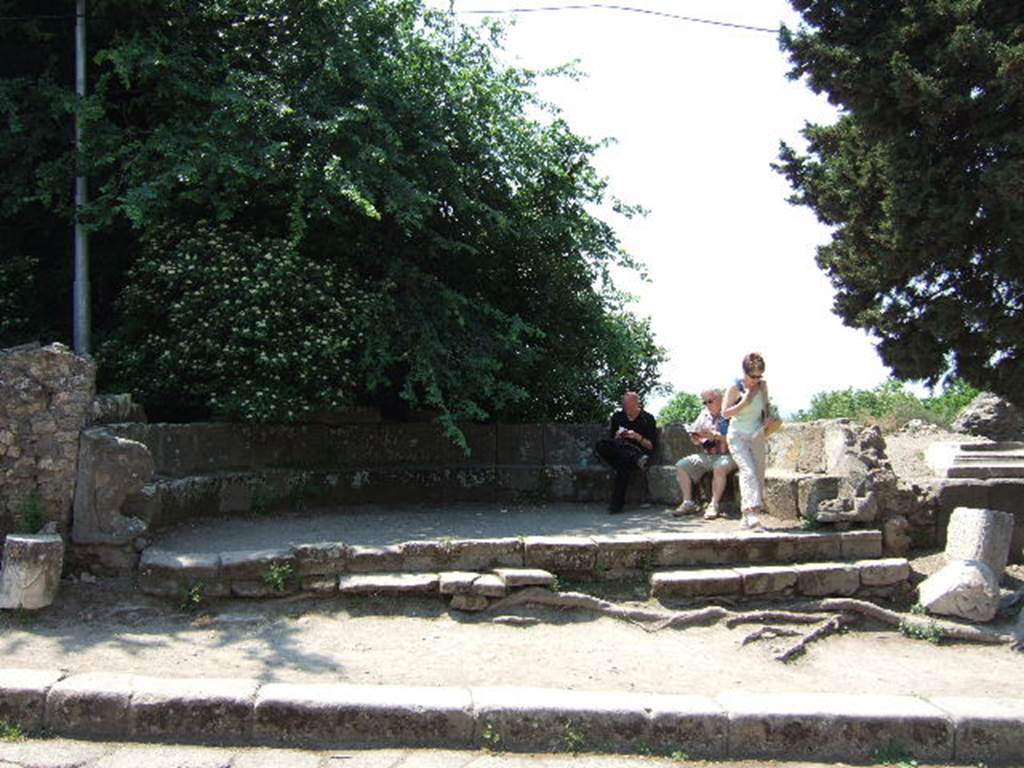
[[738, 725]]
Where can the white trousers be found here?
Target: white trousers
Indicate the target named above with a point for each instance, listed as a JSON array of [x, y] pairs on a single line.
[[749, 454]]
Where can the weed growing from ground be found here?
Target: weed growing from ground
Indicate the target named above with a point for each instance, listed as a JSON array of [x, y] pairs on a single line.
[[931, 631], [680, 754], [11, 731], [193, 598], [277, 576]]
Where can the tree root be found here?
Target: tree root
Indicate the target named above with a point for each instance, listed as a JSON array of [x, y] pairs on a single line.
[[831, 615]]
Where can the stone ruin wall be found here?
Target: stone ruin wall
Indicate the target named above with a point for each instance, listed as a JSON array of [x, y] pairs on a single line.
[[46, 397]]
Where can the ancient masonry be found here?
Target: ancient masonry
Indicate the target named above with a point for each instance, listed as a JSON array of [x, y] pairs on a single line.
[[46, 397]]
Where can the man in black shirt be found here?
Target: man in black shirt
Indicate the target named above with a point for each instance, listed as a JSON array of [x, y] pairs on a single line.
[[631, 440]]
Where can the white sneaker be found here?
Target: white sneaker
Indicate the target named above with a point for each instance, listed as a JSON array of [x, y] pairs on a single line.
[[751, 522], [686, 508], [711, 512]]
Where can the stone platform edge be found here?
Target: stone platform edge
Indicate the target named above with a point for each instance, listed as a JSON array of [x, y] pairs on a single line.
[[735, 725]]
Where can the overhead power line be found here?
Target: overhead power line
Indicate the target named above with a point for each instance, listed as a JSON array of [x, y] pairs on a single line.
[[626, 8]]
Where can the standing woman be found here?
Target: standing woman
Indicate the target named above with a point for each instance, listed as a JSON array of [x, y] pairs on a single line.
[[746, 405]]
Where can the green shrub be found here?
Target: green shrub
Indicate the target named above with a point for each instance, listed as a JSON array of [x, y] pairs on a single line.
[[681, 409], [889, 405]]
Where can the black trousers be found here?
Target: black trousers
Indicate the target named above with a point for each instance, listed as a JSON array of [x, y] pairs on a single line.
[[621, 456]]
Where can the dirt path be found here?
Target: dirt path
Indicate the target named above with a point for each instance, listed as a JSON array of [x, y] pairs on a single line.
[[109, 627]]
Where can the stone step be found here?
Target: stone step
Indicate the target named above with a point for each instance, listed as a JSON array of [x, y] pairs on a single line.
[[868, 577], [610, 557]]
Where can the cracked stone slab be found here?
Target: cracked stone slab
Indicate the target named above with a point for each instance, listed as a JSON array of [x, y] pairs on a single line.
[[456, 582], [832, 726], [767, 579], [860, 545], [560, 554], [378, 715], [169, 574]]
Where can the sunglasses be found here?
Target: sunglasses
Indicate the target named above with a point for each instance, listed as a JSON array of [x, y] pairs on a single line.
[[709, 401], [755, 376]]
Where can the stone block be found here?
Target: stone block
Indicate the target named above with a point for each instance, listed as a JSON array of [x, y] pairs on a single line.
[[470, 484], [589, 483], [482, 554], [560, 554], [820, 579], [572, 444], [351, 446], [254, 565], [696, 725], [812, 490], [196, 709], [694, 549], [389, 583], [767, 579], [90, 705], [263, 588], [812, 547], [110, 469], [489, 585], [468, 603], [1008, 496], [780, 495], [419, 444], [673, 444], [355, 715], [701, 583], [456, 582], [557, 720], [765, 547], [883, 573], [513, 483], [171, 574], [624, 552], [323, 558], [980, 534], [365, 559], [857, 545], [424, 556], [987, 730], [964, 588], [515, 578], [31, 570], [520, 444], [833, 726], [662, 485], [951, 494], [23, 695], [319, 585]]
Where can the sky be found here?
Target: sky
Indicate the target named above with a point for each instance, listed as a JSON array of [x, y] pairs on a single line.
[[697, 112]]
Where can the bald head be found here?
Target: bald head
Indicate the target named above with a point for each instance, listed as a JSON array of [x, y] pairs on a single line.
[[631, 405]]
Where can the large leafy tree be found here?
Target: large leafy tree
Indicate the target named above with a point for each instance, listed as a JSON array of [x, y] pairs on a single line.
[[921, 177], [303, 205]]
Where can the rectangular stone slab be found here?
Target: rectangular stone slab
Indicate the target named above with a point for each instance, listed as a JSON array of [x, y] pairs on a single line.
[[191, 709], [558, 720], [987, 730], [372, 715], [833, 726], [23, 695], [92, 704], [705, 582], [388, 583]]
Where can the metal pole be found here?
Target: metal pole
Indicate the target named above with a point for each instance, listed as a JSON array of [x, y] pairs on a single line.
[[83, 321]]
